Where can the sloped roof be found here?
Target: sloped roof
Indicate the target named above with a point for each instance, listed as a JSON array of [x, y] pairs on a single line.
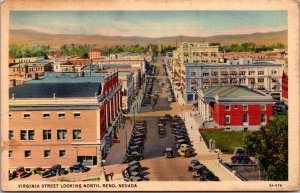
[[232, 91]]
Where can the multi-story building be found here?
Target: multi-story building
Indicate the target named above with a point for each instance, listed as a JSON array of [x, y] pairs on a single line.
[[285, 87], [192, 53], [95, 53], [127, 89], [21, 72], [234, 107], [63, 118], [266, 77], [26, 60]]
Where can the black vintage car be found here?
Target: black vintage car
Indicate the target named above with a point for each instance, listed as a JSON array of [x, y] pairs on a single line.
[[78, 167], [193, 164], [55, 170]]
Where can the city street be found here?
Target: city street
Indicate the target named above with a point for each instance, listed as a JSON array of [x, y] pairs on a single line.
[[157, 166]]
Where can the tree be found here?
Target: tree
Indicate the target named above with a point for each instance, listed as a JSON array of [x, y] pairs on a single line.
[[270, 146]]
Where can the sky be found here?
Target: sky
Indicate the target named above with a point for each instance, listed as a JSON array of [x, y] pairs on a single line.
[[150, 23]]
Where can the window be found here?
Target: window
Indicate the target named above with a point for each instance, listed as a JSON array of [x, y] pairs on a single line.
[[193, 73], [46, 134], [235, 107], [46, 115], [242, 80], [263, 118], [245, 107], [260, 80], [205, 74], [23, 134], [227, 107], [190, 97], [10, 153], [62, 153], [61, 115], [251, 72], [227, 119], [30, 134], [76, 115], [273, 71], [27, 153], [27, 134], [26, 116], [10, 115], [10, 134], [61, 134], [193, 81], [46, 153], [245, 118], [261, 72], [263, 107], [76, 134]]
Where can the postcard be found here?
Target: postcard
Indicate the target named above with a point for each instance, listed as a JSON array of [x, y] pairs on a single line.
[[149, 95]]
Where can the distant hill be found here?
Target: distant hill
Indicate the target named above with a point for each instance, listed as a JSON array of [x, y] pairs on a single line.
[[25, 36]]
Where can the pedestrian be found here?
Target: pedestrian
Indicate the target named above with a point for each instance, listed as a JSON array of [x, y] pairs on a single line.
[[191, 127], [190, 114], [123, 126], [200, 138], [131, 121]]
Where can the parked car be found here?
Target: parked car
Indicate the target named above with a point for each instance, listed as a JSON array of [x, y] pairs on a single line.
[[78, 167], [55, 170], [193, 164]]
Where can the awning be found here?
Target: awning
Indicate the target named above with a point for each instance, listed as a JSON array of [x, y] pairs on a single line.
[[87, 151]]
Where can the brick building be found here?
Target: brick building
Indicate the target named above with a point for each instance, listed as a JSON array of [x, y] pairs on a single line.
[[234, 107], [63, 118], [94, 53], [285, 87]]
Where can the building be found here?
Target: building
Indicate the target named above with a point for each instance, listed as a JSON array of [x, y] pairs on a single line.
[[19, 73], [63, 118], [234, 107], [285, 87], [26, 60], [195, 52], [94, 53], [107, 64], [266, 77], [126, 79], [63, 67]]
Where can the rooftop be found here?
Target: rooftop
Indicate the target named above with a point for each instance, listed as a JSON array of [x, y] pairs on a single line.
[[124, 74], [21, 65], [232, 91], [62, 86]]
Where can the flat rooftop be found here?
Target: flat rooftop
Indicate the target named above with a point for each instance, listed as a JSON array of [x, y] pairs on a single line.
[[63, 87]]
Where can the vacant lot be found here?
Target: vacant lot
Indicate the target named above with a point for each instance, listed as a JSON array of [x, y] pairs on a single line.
[[226, 141]]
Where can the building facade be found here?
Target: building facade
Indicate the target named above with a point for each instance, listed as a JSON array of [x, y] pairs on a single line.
[[126, 79], [63, 119], [266, 77], [94, 53], [234, 107], [285, 87]]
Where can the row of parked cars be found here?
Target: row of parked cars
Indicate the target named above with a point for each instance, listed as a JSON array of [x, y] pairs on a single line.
[[200, 172], [137, 140], [55, 170], [148, 91], [171, 97], [182, 140], [280, 108], [134, 172]]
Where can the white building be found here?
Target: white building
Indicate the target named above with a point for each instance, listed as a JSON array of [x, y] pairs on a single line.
[[263, 76]]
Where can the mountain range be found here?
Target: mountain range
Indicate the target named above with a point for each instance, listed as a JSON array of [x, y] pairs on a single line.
[[27, 36]]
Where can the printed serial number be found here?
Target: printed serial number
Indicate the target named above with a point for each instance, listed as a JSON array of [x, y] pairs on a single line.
[[275, 185]]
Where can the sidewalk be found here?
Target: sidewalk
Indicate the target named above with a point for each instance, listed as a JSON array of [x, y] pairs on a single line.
[[192, 124], [193, 128]]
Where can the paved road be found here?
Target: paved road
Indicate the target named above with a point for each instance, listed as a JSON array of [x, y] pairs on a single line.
[[157, 166]]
